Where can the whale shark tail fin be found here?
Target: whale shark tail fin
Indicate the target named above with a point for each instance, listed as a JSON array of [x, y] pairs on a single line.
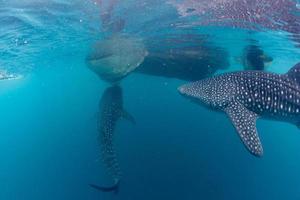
[[114, 188], [294, 73]]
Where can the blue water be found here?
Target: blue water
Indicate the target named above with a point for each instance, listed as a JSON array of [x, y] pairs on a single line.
[[176, 149]]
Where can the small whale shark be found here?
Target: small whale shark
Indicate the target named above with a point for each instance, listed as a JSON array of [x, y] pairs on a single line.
[[111, 110], [248, 95]]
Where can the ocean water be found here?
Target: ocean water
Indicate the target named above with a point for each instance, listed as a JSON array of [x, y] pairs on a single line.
[[49, 145]]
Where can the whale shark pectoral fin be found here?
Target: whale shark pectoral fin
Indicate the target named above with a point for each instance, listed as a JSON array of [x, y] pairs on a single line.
[[244, 122], [128, 116]]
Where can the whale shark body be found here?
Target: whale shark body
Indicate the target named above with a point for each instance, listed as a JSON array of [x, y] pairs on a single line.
[[185, 63], [115, 57], [248, 95], [111, 110]]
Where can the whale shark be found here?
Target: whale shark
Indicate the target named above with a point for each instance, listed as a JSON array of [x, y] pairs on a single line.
[[246, 96], [114, 58], [111, 111]]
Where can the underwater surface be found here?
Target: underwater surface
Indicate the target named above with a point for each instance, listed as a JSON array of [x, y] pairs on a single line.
[[90, 107]]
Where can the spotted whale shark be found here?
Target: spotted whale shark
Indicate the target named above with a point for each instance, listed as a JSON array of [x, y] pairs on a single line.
[[248, 95], [111, 111]]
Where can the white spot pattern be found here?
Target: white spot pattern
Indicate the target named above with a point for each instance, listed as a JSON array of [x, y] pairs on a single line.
[[245, 124], [249, 94]]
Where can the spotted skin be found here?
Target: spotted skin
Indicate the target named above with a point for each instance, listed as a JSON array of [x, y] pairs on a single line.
[[248, 95], [111, 110], [244, 121]]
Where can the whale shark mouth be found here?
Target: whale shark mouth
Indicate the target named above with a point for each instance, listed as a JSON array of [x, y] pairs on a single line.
[[185, 91], [97, 57], [181, 90], [188, 90]]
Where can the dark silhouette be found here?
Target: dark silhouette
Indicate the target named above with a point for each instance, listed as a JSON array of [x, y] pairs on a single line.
[[254, 58]]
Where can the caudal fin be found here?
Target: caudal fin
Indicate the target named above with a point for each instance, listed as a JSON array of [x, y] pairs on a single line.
[[114, 188]]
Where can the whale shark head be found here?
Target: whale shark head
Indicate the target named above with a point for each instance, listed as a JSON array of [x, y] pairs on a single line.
[[114, 58], [214, 92]]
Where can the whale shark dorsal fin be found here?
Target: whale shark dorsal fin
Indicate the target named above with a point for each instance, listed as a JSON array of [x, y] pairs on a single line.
[[244, 122], [294, 73], [126, 115]]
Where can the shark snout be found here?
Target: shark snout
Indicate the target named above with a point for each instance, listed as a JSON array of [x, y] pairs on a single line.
[[188, 89], [182, 90]]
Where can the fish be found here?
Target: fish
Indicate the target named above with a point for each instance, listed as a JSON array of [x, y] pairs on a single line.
[[115, 57], [111, 111], [246, 96]]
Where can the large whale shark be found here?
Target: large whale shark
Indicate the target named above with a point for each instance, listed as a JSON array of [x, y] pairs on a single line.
[[248, 95], [114, 58], [111, 111]]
